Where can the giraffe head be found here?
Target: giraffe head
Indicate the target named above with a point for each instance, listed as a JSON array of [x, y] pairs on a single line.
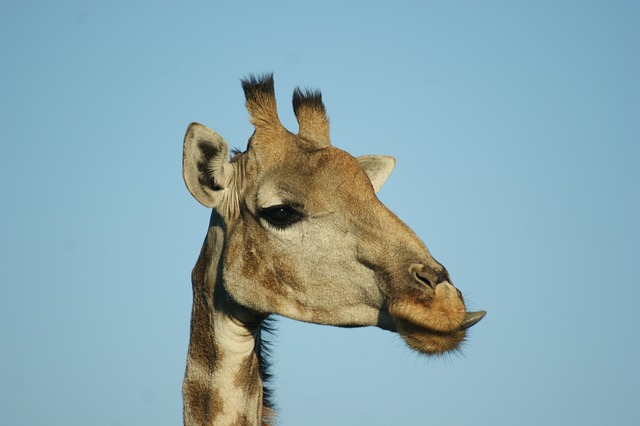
[[306, 236]]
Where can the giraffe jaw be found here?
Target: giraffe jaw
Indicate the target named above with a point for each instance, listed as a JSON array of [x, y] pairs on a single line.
[[433, 342]]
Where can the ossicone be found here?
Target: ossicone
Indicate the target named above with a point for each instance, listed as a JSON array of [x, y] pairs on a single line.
[[260, 98], [312, 118], [259, 92]]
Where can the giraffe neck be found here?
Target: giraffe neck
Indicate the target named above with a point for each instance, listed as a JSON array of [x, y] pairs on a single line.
[[223, 383]]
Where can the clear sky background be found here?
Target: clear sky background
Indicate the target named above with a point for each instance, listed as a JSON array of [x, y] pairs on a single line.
[[516, 129]]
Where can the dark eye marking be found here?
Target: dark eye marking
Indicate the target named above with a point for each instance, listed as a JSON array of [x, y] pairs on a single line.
[[281, 216]]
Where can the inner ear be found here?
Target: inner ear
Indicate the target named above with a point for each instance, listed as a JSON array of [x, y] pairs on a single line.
[[378, 168], [205, 165]]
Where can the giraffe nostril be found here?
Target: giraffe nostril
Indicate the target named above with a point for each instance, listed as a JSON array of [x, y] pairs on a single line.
[[424, 280], [421, 274]]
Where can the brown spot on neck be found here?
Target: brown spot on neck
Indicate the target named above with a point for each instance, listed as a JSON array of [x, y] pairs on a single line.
[[202, 405], [248, 377]]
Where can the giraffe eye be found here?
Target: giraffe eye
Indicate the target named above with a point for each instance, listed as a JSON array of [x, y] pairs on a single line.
[[281, 216]]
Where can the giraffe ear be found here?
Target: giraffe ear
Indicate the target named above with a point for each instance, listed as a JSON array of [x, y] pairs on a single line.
[[378, 168], [205, 165]]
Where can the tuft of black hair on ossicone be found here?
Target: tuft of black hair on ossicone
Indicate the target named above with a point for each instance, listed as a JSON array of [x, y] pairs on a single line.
[[309, 99], [256, 85]]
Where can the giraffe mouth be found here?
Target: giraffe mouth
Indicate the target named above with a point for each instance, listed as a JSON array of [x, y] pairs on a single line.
[[429, 313], [430, 341], [470, 319]]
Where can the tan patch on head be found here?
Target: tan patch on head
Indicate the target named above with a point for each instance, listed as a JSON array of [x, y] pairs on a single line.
[[251, 257]]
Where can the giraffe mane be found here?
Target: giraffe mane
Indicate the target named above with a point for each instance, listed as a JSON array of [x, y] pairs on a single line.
[[267, 329]]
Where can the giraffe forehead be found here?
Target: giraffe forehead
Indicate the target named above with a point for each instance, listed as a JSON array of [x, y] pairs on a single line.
[[309, 177]]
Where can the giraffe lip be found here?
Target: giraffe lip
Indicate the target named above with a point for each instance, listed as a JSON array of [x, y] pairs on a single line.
[[471, 319]]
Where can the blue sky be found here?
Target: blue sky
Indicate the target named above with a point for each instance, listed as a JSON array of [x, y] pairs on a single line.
[[516, 130]]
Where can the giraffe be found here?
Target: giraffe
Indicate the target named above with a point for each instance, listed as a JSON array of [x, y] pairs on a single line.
[[296, 229]]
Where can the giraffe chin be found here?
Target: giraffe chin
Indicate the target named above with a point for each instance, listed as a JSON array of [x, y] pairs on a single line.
[[435, 337], [429, 342]]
